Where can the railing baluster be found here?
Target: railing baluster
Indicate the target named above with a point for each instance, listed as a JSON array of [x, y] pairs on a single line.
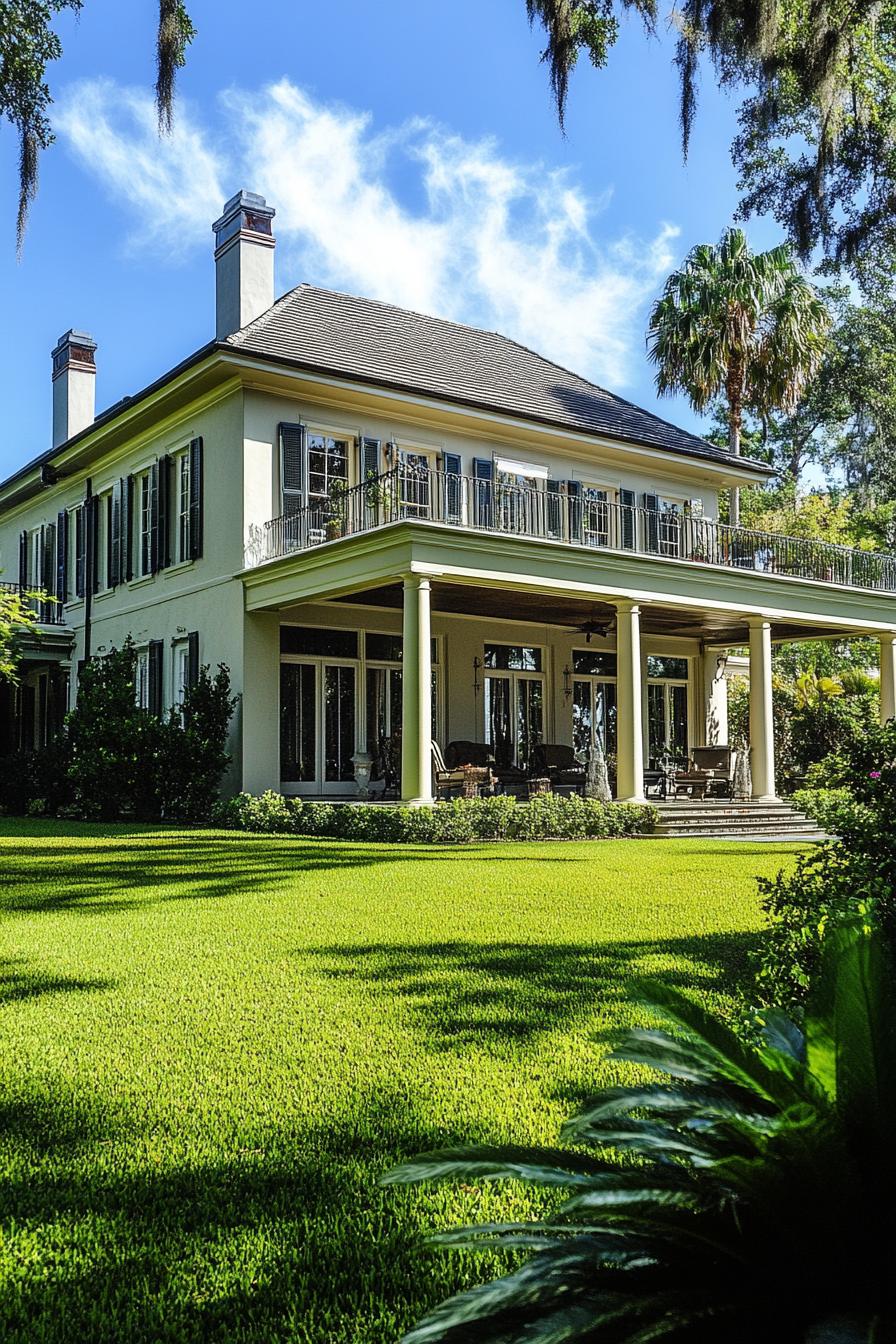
[[490, 506]]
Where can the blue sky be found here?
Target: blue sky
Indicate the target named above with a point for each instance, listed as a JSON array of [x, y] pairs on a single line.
[[409, 158]]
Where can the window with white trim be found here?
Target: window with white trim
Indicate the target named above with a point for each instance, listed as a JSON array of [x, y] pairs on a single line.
[[181, 678], [141, 679], [328, 466], [144, 523], [182, 479]]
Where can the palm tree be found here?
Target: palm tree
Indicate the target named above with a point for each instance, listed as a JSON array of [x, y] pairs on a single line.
[[743, 325], [747, 1198]]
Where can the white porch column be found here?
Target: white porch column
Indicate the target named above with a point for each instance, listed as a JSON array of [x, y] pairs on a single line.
[[416, 682], [887, 677], [629, 705], [259, 707], [762, 734]]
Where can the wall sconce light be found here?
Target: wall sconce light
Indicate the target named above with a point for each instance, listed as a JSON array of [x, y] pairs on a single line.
[[567, 682], [477, 680], [721, 664], [181, 630]]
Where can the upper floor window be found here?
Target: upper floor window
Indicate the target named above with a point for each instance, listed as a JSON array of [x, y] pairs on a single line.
[[328, 459], [182, 512], [145, 522]]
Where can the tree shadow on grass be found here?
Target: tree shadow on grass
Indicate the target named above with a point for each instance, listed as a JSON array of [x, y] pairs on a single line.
[[287, 1239], [17, 984], [498, 997], [146, 867]]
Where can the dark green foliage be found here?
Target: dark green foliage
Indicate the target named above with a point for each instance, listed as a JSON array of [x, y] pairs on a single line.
[[36, 782], [815, 146], [191, 752], [836, 882], [545, 817], [757, 1206], [123, 761], [29, 43], [108, 739]]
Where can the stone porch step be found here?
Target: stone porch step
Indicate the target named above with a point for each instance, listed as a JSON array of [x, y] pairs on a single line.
[[725, 820]]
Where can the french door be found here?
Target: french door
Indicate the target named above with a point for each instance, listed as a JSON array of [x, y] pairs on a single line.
[[318, 725], [514, 715]]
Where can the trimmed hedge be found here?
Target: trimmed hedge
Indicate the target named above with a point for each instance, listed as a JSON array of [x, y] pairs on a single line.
[[546, 817]]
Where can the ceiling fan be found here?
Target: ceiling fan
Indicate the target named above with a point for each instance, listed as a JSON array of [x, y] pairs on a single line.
[[594, 626]]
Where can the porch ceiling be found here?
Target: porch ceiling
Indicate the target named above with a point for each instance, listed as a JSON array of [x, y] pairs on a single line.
[[540, 609]]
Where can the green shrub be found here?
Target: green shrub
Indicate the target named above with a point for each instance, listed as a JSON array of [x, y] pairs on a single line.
[[546, 817], [123, 761], [833, 809], [841, 880]]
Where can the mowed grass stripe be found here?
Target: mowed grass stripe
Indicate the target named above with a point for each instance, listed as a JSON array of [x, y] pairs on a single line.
[[213, 1044]]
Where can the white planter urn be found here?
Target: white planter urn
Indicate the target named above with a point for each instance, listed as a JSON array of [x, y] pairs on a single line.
[[363, 763]]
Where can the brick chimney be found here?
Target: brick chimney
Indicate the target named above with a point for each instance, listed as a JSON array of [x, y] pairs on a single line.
[[244, 262], [74, 385]]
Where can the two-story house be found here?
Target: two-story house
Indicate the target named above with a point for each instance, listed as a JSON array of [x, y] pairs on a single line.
[[387, 523]]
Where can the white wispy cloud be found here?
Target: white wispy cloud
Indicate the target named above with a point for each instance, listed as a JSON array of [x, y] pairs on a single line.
[[412, 214]]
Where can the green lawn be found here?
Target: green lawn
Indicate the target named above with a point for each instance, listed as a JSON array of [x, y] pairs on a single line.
[[212, 1044]]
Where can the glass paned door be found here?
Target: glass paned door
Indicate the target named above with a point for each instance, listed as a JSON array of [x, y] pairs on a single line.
[[514, 716], [318, 721], [339, 723], [383, 711], [298, 722], [499, 718], [593, 716], [667, 720], [529, 717]]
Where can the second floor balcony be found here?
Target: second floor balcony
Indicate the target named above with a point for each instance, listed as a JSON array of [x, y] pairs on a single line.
[[586, 518], [45, 612]]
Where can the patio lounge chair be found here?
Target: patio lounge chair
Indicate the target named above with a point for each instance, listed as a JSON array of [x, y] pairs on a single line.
[[560, 764], [466, 778], [710, 773], [463, 752]]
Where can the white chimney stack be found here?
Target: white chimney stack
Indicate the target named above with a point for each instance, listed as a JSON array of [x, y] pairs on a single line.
[[74, 385], [244, 262]]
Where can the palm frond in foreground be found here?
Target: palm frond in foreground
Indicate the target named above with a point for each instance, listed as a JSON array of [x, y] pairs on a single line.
[[749, 1198]]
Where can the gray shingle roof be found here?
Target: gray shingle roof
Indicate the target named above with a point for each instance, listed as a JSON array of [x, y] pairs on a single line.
[[376, 342]]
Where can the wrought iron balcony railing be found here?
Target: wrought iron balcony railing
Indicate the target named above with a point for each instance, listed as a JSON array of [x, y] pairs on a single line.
[[587, 519], [45, 612]]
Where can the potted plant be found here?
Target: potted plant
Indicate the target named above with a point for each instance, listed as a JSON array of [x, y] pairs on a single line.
[[335, 526]]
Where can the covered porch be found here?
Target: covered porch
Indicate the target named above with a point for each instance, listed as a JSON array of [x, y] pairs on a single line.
[[405, 635]]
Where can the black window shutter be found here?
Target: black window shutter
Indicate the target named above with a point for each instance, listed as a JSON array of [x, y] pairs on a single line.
[[153, 475], [292, 464], [128, 529], [483, 476], [574, 495], [62, 556], [627, 500], [370, 458], [23, 559], [651, 515], [113, 561], [48, 567], [196, 499], [453, 503], [92, 514], [80, 550], [156, 653], [193, 658], [163, 514]]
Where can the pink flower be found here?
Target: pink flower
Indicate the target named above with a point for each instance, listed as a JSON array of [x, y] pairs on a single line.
[[875, 774]]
